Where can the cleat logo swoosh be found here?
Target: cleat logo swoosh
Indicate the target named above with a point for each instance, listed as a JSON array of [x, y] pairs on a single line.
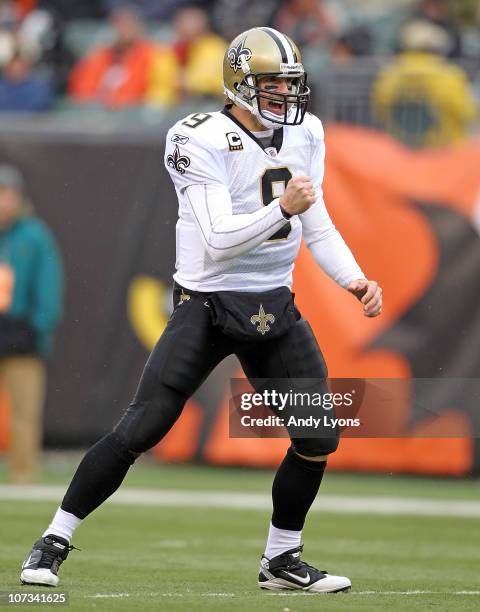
[[31, 562], [302, 580]]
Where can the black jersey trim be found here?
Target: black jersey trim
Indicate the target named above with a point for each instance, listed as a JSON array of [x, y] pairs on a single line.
[[277, 139]]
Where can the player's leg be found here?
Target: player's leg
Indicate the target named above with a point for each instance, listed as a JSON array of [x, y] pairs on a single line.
[[186, 353], [294, 356]]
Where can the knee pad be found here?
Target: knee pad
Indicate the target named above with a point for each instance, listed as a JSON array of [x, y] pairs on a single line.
[[316, 447], [117, 444]]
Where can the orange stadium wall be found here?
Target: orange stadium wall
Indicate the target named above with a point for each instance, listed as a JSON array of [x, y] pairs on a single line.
[[410, 217]]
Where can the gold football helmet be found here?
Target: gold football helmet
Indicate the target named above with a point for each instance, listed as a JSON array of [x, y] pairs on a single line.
[[258, 53]]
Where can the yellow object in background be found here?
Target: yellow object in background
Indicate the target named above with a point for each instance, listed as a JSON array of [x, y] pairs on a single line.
[[146, 307], [203, 73], [423, 100], [163, 86]]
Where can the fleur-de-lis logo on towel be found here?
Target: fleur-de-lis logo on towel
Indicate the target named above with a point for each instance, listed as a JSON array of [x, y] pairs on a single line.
[[178, 161], [235, 55], [262, 319]]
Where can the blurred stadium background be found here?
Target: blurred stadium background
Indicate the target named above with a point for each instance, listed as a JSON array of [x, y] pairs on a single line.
[[397, 85]]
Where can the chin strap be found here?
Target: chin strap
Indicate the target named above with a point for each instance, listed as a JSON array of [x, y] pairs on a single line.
[[270, 125], [253, 108]]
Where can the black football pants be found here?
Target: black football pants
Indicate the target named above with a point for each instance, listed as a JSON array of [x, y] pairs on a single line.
[[186, 353]]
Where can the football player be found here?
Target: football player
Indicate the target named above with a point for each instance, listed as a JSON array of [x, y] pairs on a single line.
[[249, 185]]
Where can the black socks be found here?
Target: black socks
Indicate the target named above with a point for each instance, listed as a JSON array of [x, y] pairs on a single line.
[[294, 488]]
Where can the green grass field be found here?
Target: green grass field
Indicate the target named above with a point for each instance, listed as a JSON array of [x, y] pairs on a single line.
[[138, 557]]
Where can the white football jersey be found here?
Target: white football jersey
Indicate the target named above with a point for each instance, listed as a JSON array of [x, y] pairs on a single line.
[[231, 233]]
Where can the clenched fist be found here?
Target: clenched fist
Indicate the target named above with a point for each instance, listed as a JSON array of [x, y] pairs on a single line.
[[369, 294], [298, 196]]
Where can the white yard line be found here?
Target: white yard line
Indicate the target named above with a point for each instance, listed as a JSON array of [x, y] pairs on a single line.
[[416, 593], [353, 593], [257, 501], [274, 594], [176, 594]]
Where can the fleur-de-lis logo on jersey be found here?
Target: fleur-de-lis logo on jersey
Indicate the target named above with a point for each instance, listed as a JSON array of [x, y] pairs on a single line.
[[262, 319], [236, 54], [178, 161]]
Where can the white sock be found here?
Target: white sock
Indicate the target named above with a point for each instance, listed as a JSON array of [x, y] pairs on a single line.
[[281, 540], [63, 525]]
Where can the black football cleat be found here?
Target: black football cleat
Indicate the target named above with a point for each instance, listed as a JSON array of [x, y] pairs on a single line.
[[288, 572], [41, 565]]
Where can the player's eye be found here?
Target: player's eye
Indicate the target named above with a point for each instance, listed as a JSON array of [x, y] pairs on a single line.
[[274, 86]]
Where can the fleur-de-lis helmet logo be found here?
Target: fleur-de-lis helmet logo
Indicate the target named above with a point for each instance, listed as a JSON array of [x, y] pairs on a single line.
[[178, 161], [236, 54]]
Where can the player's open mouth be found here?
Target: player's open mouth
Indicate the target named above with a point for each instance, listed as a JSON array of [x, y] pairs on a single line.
[[276, 107]]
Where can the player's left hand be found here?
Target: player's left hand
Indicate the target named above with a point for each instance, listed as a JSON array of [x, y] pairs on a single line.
[[369, 293]]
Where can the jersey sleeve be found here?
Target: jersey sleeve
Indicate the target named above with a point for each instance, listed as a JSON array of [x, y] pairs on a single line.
[[192, 161], [224, 234], [321, 236], [317, 155]]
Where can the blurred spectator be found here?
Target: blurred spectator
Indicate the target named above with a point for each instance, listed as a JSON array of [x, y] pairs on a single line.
[[308, 22], [119, 75], [22, 88], [347, 82], [42, 33], [438, 13], [199, 54], [355, 42], [34, 37], [421, 98], [229, 17], [31, 304]]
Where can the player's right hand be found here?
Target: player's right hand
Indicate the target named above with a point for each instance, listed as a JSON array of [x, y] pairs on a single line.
[[298, 196]]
